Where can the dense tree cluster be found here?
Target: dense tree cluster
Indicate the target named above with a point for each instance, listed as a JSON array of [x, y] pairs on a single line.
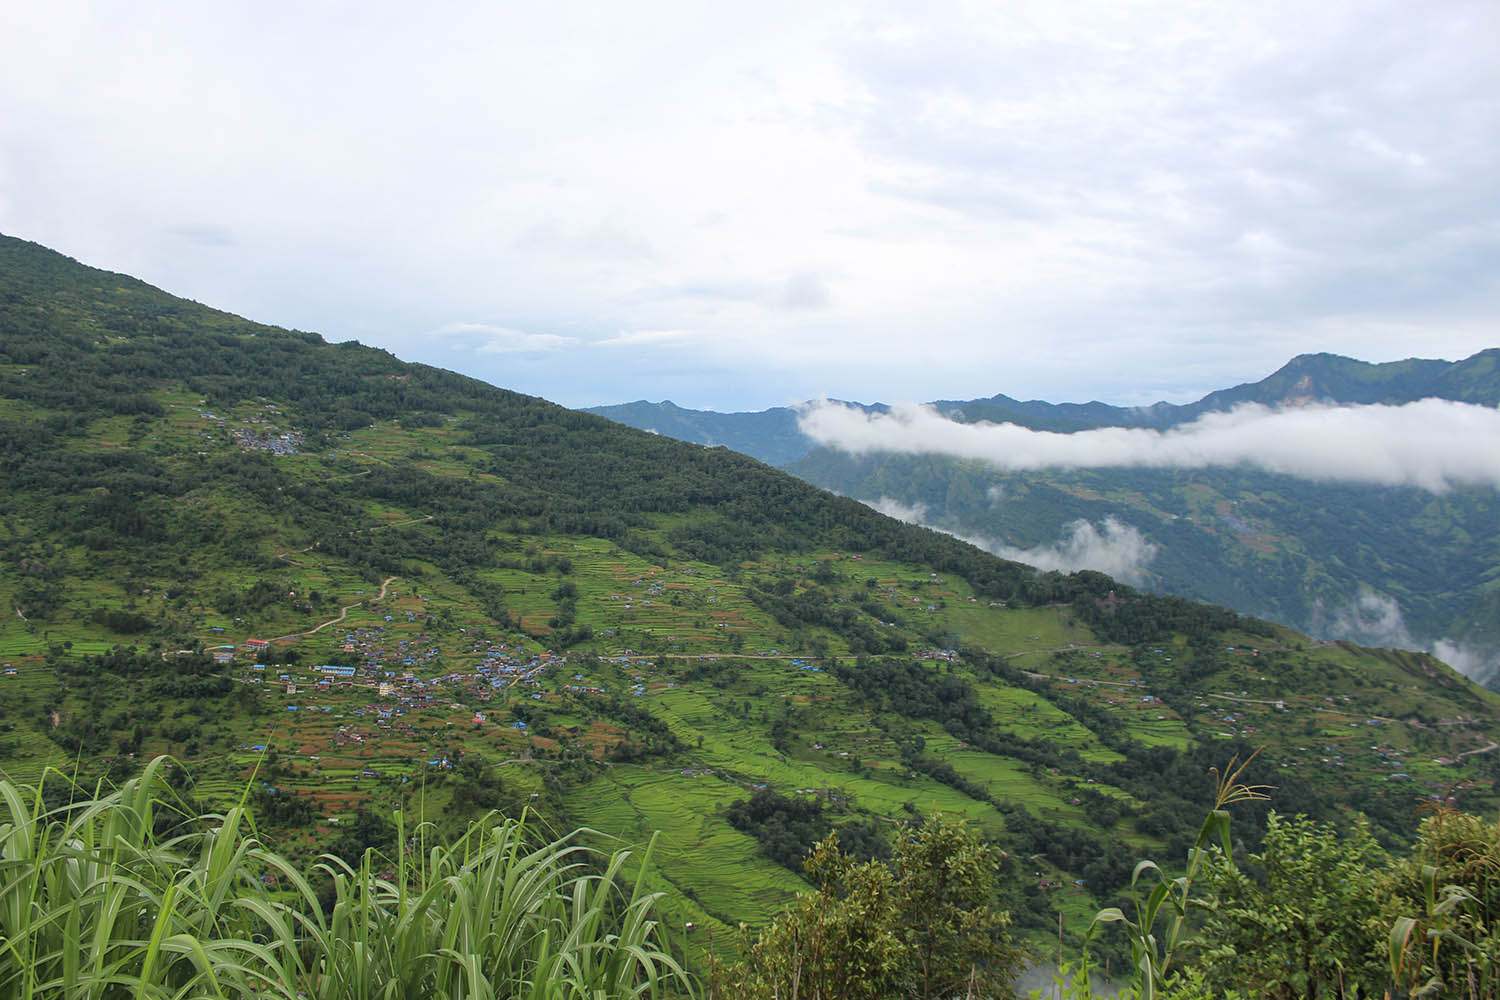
[[926, 924], [785, 827], [649, 736]]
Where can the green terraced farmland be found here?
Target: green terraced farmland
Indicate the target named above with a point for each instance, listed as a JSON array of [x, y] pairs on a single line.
[[467, 600]]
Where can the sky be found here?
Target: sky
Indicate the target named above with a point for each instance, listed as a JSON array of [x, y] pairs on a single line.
[[737, 206]]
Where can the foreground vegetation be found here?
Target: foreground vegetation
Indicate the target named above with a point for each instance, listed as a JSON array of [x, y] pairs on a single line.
[[128, 893], [1313, 914]]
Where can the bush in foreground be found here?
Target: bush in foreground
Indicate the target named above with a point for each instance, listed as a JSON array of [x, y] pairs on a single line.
[[921, 926]]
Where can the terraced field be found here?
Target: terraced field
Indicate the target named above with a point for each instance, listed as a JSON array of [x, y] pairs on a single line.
[[349, 586]]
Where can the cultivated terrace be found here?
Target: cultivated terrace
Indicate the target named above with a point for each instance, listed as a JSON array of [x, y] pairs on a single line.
[[351, 584]]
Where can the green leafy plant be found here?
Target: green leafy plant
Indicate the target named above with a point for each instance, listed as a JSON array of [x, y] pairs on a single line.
[[1161, 914], [1452, 885], [124, 893], [1303, 926]]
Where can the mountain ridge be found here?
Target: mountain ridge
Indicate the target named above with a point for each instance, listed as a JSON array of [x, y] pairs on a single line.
[[1336, 561], [770, 434]]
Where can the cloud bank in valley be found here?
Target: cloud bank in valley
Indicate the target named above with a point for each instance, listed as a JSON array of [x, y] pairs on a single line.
[[911, 513], [1111, 547], [1433, 444], [1373, 620]]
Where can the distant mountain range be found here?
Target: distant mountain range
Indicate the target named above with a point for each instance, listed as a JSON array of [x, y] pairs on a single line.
[[773, 436], [1393, 566], [769, 435]]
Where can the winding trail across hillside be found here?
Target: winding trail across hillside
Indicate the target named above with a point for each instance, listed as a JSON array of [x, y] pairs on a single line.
[[343, 613]]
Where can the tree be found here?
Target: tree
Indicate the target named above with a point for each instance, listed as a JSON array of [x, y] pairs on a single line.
[[956, 942], [838, 943], [1311, 927], [923, 925]]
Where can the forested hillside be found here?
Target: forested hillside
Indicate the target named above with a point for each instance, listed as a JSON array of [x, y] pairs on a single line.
[[352, 584], [1383, 565]]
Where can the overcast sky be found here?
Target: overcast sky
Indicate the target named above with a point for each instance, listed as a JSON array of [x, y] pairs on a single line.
[[739, 206]]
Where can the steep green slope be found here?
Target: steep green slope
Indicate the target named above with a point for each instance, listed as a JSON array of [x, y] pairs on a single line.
[[356, 583], [1387, 566]]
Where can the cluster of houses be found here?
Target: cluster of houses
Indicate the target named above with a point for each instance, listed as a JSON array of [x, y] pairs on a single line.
[[372, 645], [288, 443], [501, 666]]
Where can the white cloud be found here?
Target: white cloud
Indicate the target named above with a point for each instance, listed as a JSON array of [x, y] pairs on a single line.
[[910, 513], [1113, 548], [1473, 662], [1431, 444], [804, 291], [503, 340], [637, 338], [1375, 620]]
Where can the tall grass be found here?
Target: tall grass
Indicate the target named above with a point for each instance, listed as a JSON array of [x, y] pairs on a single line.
[[125, 894]]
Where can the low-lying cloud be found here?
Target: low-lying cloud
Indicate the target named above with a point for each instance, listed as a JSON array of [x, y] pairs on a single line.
[[1471, 661], [914, 513], [1433, 444], [1112, 547], [1375, 619]]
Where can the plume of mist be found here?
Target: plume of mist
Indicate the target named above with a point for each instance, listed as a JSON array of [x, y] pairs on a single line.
[[1112, 547], [910, 513], [1471, 661], [1374, 619], [1432, 444]]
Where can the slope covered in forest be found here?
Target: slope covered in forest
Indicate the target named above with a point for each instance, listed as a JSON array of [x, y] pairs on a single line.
[[360, 583], [1383, 565]]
